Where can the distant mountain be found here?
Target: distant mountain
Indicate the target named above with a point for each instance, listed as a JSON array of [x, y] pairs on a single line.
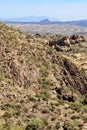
[[79, 22], [28, 19], [43, 20]]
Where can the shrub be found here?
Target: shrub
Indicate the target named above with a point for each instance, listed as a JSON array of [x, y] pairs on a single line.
[[69, 125], [37, 124], [57, 126], [44, 95], [77, 106], [44, 71]]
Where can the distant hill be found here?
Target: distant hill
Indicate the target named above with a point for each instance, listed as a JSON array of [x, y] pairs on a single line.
[[64, 29], [43, 20], [29, 19], [78, 22]]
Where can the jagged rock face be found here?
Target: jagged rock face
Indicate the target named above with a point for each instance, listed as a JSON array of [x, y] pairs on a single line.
[[19, 73], [71, 75], [74, 77]]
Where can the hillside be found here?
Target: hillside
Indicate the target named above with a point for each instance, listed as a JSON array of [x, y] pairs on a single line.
[[43, 81]]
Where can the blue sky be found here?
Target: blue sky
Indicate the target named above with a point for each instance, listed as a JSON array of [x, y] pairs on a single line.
[[62, 9]]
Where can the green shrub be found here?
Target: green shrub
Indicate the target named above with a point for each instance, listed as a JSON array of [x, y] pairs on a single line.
[[45, 83], [11, 112], [31, 98], [70, 125], [10, 126], [37, 124], [44, 71], [43, 95], [84, 118], [77, 106]]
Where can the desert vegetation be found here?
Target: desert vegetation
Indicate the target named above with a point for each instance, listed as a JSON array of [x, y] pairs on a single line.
[[43, 81]]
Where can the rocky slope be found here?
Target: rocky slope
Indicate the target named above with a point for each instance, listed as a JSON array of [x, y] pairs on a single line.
[[43, 81]]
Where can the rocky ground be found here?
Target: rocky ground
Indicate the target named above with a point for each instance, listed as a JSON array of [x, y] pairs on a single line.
[[43, 81]]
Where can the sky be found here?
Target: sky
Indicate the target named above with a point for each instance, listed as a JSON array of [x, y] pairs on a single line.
[[61, 9]]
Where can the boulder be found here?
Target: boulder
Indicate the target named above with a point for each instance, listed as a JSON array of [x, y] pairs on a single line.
[[64, 41], [77, 36], [63, 94]]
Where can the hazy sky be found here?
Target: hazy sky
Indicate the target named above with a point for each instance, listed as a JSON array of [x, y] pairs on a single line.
[[62, 9]]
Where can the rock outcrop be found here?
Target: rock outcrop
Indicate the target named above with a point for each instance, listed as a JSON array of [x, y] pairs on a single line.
[[64, 95], [71, 75], [67, 40]]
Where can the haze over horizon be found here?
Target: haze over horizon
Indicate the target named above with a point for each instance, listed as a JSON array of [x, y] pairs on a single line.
[[63, 10]]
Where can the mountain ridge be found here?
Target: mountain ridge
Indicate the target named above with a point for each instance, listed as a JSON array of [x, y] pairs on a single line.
[[41, 19]]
